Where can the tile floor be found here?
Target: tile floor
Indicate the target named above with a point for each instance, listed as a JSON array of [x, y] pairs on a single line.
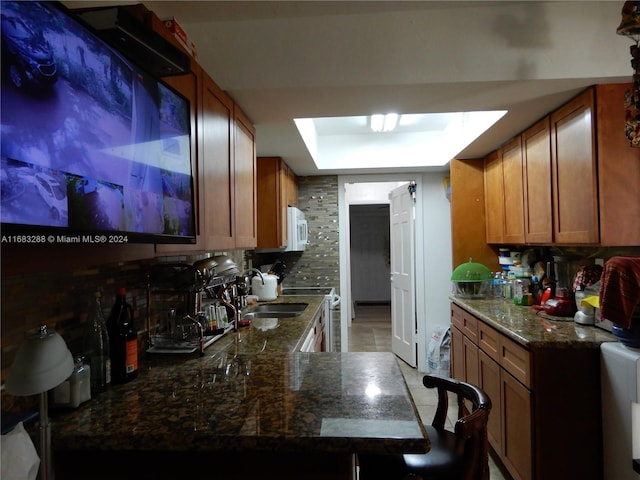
[[370, 331]]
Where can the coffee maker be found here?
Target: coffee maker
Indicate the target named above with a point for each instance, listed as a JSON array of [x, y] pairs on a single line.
[[562, 303]]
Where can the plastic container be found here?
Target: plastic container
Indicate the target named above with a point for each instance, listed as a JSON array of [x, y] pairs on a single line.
[[472, 280], [76, 389]]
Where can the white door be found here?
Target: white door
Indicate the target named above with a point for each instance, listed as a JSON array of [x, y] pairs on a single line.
[[403, 305]]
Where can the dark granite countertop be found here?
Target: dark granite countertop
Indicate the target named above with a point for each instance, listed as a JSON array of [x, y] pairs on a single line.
[[252, 390], [532, 328]]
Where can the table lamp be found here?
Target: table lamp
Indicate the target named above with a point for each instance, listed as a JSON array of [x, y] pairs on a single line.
[[42, 362]]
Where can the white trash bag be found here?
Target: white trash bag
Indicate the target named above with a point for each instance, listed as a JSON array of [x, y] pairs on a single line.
[[439, 352]]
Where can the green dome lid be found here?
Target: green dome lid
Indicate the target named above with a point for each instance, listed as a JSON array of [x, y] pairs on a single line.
[[471, 272]]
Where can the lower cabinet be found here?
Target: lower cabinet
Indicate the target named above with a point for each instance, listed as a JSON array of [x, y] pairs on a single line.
[[545, 421], [315, 340]]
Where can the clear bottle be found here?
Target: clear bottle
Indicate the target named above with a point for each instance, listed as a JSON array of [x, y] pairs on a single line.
[[95, 347], [123, 340]]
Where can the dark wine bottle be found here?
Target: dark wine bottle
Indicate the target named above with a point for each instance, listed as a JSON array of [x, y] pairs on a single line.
[[123, 340], [95, 347]]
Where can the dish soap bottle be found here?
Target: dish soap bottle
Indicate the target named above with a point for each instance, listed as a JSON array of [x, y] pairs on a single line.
[[123, 340], [95, 346]]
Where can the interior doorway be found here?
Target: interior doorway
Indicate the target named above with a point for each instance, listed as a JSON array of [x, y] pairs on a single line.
[[369, 192], [370, 254]]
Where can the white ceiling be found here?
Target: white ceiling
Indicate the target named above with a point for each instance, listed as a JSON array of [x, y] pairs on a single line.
[[298, 59]]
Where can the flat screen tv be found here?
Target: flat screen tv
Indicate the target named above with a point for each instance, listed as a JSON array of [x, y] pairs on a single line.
[[91, 145]]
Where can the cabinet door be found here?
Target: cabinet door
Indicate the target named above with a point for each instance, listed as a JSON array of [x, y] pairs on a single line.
[[457, 354], [470, 355], [291, 186], [574, 175], [187, 85], [494, 198], [272, 207], [489, 375], [512, 186], [244, 185], [536, 153], [517, 427], [216, 140]]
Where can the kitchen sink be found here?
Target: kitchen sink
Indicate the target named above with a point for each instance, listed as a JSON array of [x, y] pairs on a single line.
[[288, 308], [250, 315]]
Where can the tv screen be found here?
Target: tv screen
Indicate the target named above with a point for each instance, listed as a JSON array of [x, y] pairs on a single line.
[[91, 145]]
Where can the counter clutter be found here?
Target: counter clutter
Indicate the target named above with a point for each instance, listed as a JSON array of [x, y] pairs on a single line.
[[533, 328], [251, 395]]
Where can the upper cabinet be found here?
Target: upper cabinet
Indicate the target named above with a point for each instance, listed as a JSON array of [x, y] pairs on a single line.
[[224, 161], [504, 198], [244, 184], [574, 173], [513, 196], [277, 189], [494, 197], [536, 162], [216, 158], [578, 178]]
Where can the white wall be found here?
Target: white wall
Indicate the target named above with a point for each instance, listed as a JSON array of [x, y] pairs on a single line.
[[434, 286]]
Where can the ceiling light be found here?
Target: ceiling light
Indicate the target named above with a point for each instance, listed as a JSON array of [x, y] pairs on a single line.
[[419, 139], [384, 123]]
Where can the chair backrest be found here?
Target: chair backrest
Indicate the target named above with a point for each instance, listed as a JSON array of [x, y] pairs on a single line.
[[470, 429]]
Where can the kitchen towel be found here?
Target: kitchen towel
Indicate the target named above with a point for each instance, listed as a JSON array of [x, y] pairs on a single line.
[[620, 290]]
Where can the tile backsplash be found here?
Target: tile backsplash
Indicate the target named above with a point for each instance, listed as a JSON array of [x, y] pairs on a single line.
[[61, 299]]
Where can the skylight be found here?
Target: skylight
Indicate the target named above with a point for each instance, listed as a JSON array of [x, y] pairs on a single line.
[[418, 140]]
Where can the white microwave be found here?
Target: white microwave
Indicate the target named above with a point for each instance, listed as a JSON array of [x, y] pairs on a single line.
[[297, 229]]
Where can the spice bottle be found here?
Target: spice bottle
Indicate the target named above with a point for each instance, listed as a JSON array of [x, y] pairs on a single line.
[[76, 389], [123, 340], [95, 347]]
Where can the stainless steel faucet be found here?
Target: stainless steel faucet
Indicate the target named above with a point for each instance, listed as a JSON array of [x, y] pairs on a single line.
[[258, 272]]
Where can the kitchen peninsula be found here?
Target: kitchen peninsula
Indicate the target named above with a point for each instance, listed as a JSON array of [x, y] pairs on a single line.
[[252, 405]]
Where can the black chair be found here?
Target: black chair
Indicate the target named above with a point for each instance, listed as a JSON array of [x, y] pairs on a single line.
[[459, 454]]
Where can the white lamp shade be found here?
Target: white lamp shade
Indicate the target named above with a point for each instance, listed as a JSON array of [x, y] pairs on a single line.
[[42, 362]]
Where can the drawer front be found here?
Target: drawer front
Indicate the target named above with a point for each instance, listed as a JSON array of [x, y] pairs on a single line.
[[489, 341], [516, 360], [466, 323]]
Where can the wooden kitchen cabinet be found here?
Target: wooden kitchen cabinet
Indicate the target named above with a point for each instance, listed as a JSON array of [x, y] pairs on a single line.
[[536, 159], [511, 153], [245, 229], [468, 214], [277, 189], [494, 198], [574, 171], [223, 146], [216, 152], [223, 152], [532, 427], [504, 198], [579, 177]]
